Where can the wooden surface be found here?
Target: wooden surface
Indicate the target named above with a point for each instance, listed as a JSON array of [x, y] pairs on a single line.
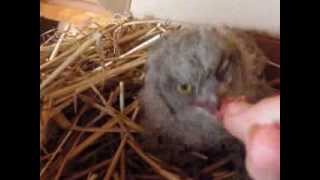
[[75, 12]]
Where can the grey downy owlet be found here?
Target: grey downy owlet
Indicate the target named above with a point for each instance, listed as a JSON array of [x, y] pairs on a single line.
[[180, 97]]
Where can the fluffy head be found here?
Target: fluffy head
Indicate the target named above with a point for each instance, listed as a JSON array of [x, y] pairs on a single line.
[[180, 94]]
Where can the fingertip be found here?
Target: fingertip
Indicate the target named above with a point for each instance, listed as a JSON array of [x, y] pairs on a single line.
[[232, 117], [238, 116], [230, 108], [263, 152]]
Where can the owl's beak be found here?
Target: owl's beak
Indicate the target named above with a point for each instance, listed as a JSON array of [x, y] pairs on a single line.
[[207, 105]]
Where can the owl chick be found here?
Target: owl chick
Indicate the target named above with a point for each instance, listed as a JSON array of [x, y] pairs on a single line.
[[179, 97], [185, 72]]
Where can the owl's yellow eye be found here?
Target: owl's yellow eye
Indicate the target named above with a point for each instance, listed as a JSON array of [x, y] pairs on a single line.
[[184, 89]]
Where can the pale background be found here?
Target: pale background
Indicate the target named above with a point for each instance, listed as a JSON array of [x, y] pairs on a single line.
[[261, 15]]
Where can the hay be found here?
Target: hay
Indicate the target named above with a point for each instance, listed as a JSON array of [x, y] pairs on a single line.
[[75, 73], [89, 83]]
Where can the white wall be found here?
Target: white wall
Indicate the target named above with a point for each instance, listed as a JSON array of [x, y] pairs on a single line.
[[250, 14]]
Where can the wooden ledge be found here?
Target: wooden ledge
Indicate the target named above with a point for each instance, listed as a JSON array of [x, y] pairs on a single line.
[[75, 12]]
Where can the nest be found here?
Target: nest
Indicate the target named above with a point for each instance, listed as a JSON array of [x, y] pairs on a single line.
[[89, 83]]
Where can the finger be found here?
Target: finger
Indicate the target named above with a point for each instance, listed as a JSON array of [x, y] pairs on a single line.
[[266, 111], [233, 107], [263, 152], [239, 117]]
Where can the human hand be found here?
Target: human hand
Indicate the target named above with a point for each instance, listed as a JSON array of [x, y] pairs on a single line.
[[258, 126]]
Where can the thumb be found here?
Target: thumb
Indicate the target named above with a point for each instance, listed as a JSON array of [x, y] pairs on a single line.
[[258, 126], [239, 116], [263, 152]]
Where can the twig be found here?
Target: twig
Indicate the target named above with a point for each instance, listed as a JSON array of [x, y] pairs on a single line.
[[63, 123], [57, 59], [214, 166], [122, 155], [92, 138], [47, 41], [142, 45], [121, 97], [164, 173], [70, 60], [60, 145], [90, 169], [199, 155], [113, 95], [148, 177], [123, 165], [47, 32], [135, 113], [85, 84], [92, 129], [65, 160], [113, 112], [96, 135], [56, 48], [45, 157], [140, 22], [225, 175], [116, 176], [75, 102], [115, 158], [92, 177], [273, 64], [59, 108], [97, 92]]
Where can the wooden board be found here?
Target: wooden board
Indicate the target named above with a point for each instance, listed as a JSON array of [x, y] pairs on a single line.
[[75, 12]]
